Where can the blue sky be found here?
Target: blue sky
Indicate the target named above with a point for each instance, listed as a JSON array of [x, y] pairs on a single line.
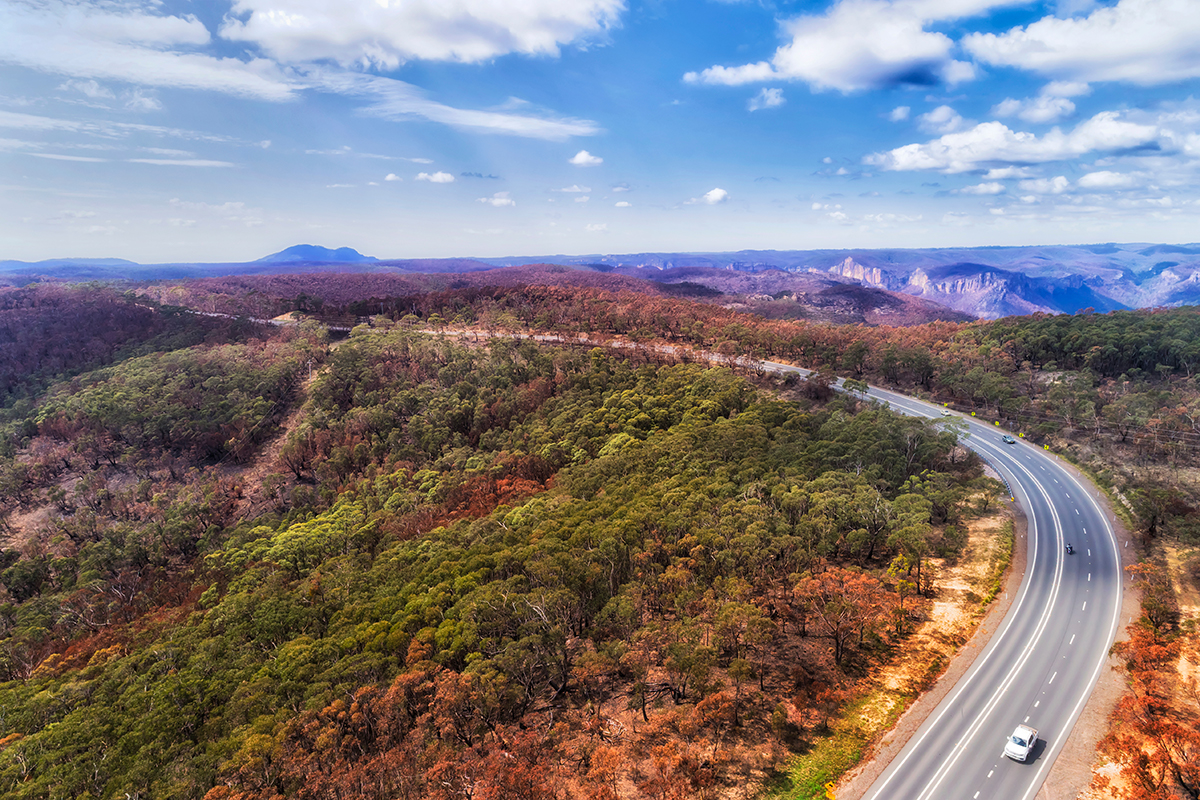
[[210, 130]]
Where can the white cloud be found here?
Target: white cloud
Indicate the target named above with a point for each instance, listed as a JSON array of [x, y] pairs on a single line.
[[714, 196], [1104, 179], [583, 198], [232, 211], [711, 197], [1144, 42], [862, 44], [346, 150], [622, 204], [61, 157], [585, 159], [734, 76], [942, 119], [96, 40], [767, 98], [498, 200], [180, 162], [621, 187], [385, 34], [399, 101], [138, 100], [890, 219], [89, 88], [103, 41], [983, 188], [1004, 173], [102, 129], [597, 227], [436, 177], [994, 143], [575, 188], [956, 72], [391, 176], [1055, 185], [1037, 109], [1066, 89], [339, 186], [899, 113]]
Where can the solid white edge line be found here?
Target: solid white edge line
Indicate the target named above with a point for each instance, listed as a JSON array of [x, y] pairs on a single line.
[[1012, 469], [996, 638], [960, 746], [1112, 635], [914, 746]]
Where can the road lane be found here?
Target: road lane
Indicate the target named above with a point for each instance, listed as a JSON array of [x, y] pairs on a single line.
[[1047, 655], [1041, 665]]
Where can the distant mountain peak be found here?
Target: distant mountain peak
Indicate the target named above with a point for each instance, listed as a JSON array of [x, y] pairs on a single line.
[[315, 253]]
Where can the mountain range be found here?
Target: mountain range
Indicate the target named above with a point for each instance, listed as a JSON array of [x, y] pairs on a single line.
[[982, 282]]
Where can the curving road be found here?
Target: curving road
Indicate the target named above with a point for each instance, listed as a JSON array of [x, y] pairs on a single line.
[[1043, 661]]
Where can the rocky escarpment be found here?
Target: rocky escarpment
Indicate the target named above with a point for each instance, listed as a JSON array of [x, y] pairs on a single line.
[[867, 276], [990, 293]]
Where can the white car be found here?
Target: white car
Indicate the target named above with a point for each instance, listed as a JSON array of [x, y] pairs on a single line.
[[1021, 743]]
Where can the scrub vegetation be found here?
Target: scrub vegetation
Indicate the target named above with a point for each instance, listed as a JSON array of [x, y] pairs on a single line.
[[245, 561]]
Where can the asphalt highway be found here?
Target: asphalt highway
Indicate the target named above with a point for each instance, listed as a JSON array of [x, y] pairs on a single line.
[[1045, 658]]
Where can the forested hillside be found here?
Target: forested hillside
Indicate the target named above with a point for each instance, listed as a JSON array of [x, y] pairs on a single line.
[[242, 561], [49, 330], [455, 566], [1118, 391]]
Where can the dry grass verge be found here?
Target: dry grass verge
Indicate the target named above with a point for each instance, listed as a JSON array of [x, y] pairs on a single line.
[[966, 587]]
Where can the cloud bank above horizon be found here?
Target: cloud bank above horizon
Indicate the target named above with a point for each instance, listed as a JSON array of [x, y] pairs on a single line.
[[131, 127]]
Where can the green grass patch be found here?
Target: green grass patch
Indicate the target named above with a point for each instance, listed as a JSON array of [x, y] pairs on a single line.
[[839, 751]]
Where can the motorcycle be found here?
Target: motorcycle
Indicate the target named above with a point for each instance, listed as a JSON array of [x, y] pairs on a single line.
[[1070, 549]]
